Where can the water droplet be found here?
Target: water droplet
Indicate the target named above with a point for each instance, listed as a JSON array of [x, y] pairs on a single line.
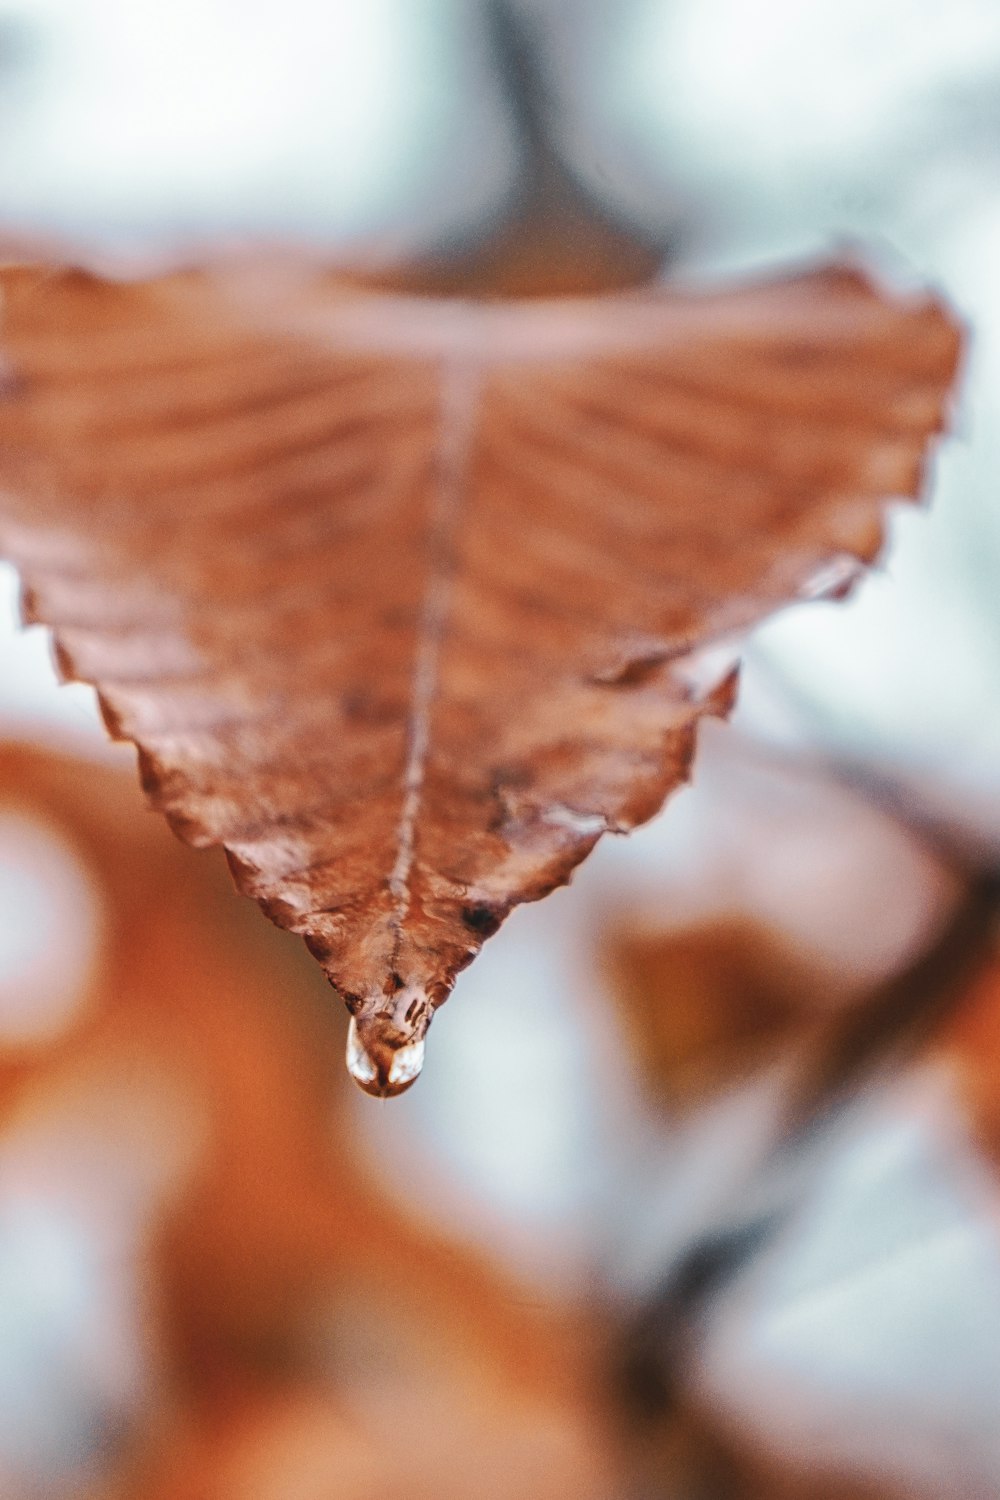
[[383, 1071]]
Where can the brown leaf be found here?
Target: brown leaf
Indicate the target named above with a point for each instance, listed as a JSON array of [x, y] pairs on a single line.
[[400, 598], [704, 1005]]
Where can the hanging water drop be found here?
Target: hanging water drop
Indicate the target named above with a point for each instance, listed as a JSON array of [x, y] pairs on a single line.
[[379, 1069]]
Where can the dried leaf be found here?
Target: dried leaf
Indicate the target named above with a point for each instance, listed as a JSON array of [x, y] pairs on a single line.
[[704, 1005], [402, 599]]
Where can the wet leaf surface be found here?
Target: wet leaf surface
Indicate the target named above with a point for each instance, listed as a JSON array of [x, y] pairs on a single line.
[[405, 601]]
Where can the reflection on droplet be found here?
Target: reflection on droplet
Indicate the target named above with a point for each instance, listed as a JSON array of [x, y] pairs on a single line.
[[359, 1064], [382, 1071], [406, 1065]]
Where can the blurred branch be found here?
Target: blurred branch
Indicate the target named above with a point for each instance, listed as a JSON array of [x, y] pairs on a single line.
[[950, 845], [556, 236]]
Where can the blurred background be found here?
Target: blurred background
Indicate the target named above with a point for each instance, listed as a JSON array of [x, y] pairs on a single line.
[[698, 1196]]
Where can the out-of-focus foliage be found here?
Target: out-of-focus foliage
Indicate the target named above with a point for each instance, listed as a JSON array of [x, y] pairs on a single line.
[[207, 1290]]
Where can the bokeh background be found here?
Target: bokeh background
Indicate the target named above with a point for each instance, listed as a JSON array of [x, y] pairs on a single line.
[[698, 1195]]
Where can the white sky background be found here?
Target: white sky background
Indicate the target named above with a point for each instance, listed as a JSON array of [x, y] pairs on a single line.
[[143, 122], [749, 131]]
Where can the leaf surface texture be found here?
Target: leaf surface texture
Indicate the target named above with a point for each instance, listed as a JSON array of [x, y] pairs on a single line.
[[405, 601]]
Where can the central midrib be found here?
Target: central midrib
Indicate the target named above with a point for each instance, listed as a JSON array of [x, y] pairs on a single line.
[[458, 405]]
